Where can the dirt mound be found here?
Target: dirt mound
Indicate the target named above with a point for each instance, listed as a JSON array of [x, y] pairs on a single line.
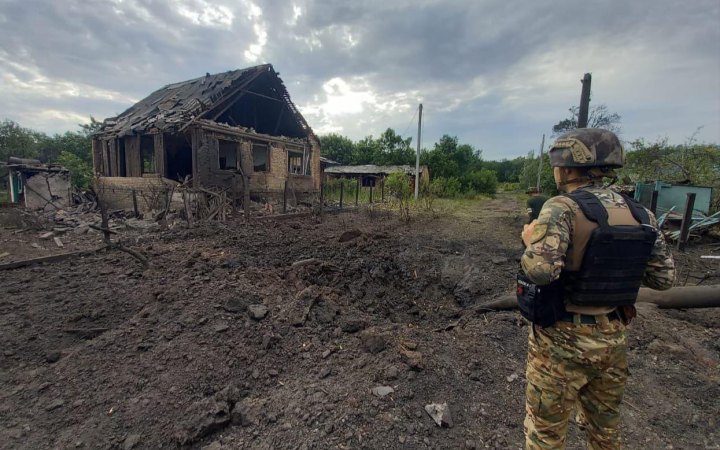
[[279, 335]]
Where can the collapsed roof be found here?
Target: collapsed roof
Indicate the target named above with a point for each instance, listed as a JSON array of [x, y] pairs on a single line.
[[253, 99]]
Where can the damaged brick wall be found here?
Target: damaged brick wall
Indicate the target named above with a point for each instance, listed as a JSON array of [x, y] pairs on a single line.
[[117, 192]]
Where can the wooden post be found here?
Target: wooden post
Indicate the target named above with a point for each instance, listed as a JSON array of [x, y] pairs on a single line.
[[246, 196], [357, 192], [342, 188], [135, 205], [285, 197], [371, 189], [653, 201], [686, 221], [382, 189], [322, 195], [584, 101], [188, 209]]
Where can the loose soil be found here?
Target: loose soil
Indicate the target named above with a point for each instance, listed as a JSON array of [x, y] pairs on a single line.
[[274, 335]]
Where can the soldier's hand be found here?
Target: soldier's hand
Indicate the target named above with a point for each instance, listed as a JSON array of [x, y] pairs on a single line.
[[527, 232]]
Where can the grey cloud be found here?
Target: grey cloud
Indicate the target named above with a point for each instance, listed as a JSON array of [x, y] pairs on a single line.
[[435, 48]]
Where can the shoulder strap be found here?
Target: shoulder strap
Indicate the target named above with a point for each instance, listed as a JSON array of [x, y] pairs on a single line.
[[638, 211], [590, 206]]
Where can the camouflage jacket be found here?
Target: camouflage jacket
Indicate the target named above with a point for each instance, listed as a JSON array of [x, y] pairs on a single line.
[[544, 258]]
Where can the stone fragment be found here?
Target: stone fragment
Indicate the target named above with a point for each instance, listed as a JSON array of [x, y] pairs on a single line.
[[235, 305], [382, 391], [413, 359], [352, 325], [440, 413], [374, 343], [257, 312], [53, 356], [206, 416], [392, 373], [221, 327]]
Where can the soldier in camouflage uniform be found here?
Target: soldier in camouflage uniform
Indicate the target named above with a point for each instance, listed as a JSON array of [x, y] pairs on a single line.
[[580, 362]]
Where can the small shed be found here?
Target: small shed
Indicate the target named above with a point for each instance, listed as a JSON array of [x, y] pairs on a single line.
[[369, 174], [36, 185]]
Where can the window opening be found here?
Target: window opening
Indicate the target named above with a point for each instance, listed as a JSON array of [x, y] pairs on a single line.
[[298, 161], [227, 155], [261, 161]]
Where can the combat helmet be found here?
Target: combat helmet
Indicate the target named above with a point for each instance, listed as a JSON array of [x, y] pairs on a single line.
[[587, 147]]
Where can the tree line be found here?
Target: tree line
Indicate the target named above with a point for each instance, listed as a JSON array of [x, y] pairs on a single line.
[[72, 149], [456, 168]]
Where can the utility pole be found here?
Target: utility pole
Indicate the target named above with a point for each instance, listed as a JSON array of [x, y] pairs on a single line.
[[542, 146], [417, 157], [584, 101]]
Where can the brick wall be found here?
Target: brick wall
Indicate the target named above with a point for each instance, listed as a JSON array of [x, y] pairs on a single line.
[[117, 192]]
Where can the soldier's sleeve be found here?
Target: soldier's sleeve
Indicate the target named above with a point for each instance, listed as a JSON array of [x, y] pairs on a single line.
[[544, 258], [660, 271]]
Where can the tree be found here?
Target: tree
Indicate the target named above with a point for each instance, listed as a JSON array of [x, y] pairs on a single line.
[[483, 181], [18, 141], [528, 177], [693, 163], [337, 148], [508, 171], [450, 159], [80, 171], [599, 117], [393, 149]]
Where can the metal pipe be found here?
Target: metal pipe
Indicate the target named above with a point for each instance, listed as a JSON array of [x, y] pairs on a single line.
[[674, 298]]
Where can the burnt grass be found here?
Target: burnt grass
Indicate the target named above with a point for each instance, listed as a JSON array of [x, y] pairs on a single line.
[[99, 353]]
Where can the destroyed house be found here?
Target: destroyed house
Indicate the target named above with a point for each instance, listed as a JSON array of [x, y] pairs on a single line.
[[216, 130]]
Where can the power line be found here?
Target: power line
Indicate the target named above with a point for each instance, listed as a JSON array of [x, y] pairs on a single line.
[[410, 123]]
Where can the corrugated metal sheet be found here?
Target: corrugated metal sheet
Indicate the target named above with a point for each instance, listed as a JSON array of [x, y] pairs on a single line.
[[371, 169], [673, 195]]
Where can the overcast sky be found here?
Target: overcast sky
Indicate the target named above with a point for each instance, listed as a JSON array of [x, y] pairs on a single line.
[[497, 74]]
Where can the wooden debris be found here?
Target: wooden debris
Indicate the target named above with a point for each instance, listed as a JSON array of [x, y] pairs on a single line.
[[47, 259], [58, 242]]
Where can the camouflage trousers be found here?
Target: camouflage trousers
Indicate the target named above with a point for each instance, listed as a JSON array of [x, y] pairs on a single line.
[[579, 367]]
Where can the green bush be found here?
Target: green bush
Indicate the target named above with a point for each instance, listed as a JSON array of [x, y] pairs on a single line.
[[80, 171], [482, 181], [399, 188]]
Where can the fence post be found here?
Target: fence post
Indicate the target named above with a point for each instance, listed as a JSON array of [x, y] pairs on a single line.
[[357, 192], [342, 186], [322, 195], [285, 197], [246, 196], [371, 189], [653, 201], [686, 221], [382, 189], [135, 205]]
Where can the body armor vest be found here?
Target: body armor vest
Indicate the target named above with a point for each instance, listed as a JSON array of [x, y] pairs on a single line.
[[610, 274]]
